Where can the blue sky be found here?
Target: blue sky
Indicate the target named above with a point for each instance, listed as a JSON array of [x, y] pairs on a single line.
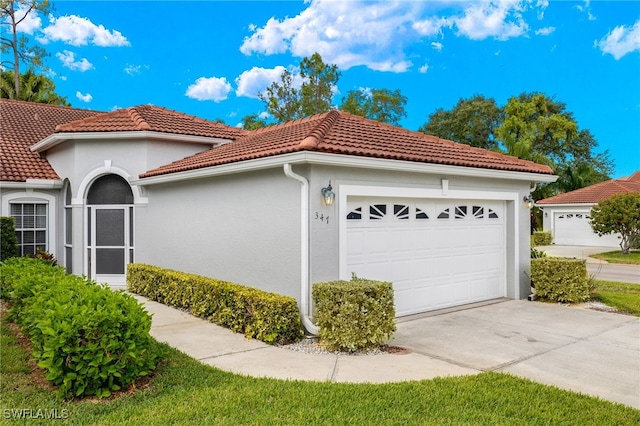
[[212, 58]]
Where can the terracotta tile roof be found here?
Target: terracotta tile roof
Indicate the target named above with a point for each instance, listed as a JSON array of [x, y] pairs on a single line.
[[23, 124], [152, 118], [342, 133], [595, 193]]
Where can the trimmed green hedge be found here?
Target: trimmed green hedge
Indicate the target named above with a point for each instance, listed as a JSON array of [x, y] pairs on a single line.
[[356, 314], [89, 340], [8, 239], [541, 238], [558, 279], [257, 314]]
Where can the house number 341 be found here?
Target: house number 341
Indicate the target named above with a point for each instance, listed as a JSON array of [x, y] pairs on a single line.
[[322, 218]]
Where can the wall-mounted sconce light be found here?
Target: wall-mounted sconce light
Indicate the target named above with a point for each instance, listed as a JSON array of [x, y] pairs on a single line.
[[327, 195], [528, 201]]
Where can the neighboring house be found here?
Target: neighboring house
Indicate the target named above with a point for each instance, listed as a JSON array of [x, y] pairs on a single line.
[[567, 216], [445, 222]]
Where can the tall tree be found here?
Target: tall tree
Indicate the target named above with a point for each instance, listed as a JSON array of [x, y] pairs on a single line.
[[32, 88], [537, 128], [253, 122], [12, 14], [319, 82], [284, 102], [472, 121], [618, 214], [383, 105], [281, 99]]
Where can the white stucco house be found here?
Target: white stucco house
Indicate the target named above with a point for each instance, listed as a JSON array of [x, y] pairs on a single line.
[[566, 216], [445, 222]]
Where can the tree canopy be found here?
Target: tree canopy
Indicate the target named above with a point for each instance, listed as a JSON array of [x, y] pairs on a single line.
[[32, 88], [531, 126], [285, 102], [472, 121], [16, 49], [619, 214], [383, 105]]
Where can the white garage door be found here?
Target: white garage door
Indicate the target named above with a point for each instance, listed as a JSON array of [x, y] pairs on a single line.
[[574, 229], [437, 253]]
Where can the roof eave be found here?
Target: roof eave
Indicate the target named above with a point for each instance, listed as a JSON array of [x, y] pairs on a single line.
[[32, 184], [307, 157], [58, 138], [585, 204]]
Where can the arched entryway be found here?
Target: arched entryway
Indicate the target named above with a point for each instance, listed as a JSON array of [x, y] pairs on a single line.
[[110, 219]]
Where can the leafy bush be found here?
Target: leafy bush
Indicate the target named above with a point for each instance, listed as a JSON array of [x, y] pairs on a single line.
[[20, 275], [44, 255], [618, 214], [356, 314], [558, 279], [8, 238], [257, 314], [536, 254], [89, 339], [540, 238]]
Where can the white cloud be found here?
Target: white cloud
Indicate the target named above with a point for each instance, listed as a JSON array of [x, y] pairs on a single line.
[[437, 45], [377, 33], [78, 31], [29, 24], [209, 89], [621, 40], [84, 98], [256, 80], [423, 69], [68, 60], [344, 33], [586, 9], [132, 69], [431, 26], [545, 31], [499, 19]]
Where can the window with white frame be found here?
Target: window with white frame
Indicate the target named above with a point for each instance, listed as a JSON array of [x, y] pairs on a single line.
[[31, 226]]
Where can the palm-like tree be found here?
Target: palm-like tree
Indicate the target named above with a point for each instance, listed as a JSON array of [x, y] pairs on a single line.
[[33, 88]]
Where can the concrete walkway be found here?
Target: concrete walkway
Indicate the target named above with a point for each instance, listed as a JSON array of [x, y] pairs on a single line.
[[587, 351]]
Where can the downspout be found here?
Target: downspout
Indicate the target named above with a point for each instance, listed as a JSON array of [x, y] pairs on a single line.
[[304, 249]]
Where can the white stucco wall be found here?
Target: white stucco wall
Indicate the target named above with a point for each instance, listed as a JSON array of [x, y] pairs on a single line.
[[585, 238], [243, 228], [80, 162]]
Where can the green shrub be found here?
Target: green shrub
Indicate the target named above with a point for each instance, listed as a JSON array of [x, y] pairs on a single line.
[[536, 254], [8, 238], [20, 275], [540, 238], [557, 279], [356, 314], [89, 339], [257, 314]]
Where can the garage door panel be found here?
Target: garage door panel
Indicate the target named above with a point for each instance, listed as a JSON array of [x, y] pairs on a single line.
[[433, 263]]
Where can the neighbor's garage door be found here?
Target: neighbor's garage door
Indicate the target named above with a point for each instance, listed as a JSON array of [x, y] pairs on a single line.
[[437, 254], [574, 229]]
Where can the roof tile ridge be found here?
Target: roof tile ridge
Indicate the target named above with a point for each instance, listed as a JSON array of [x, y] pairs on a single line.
[[52, 106], [319, 132], [137, 119], [70, 125]]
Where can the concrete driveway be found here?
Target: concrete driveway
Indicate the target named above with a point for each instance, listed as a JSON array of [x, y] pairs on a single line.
[[587, 351], [600, 269], [596, 353]]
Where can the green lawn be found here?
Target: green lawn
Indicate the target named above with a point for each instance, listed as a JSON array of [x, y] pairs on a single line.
[[184, 391], [616, 256], [622, 296]]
